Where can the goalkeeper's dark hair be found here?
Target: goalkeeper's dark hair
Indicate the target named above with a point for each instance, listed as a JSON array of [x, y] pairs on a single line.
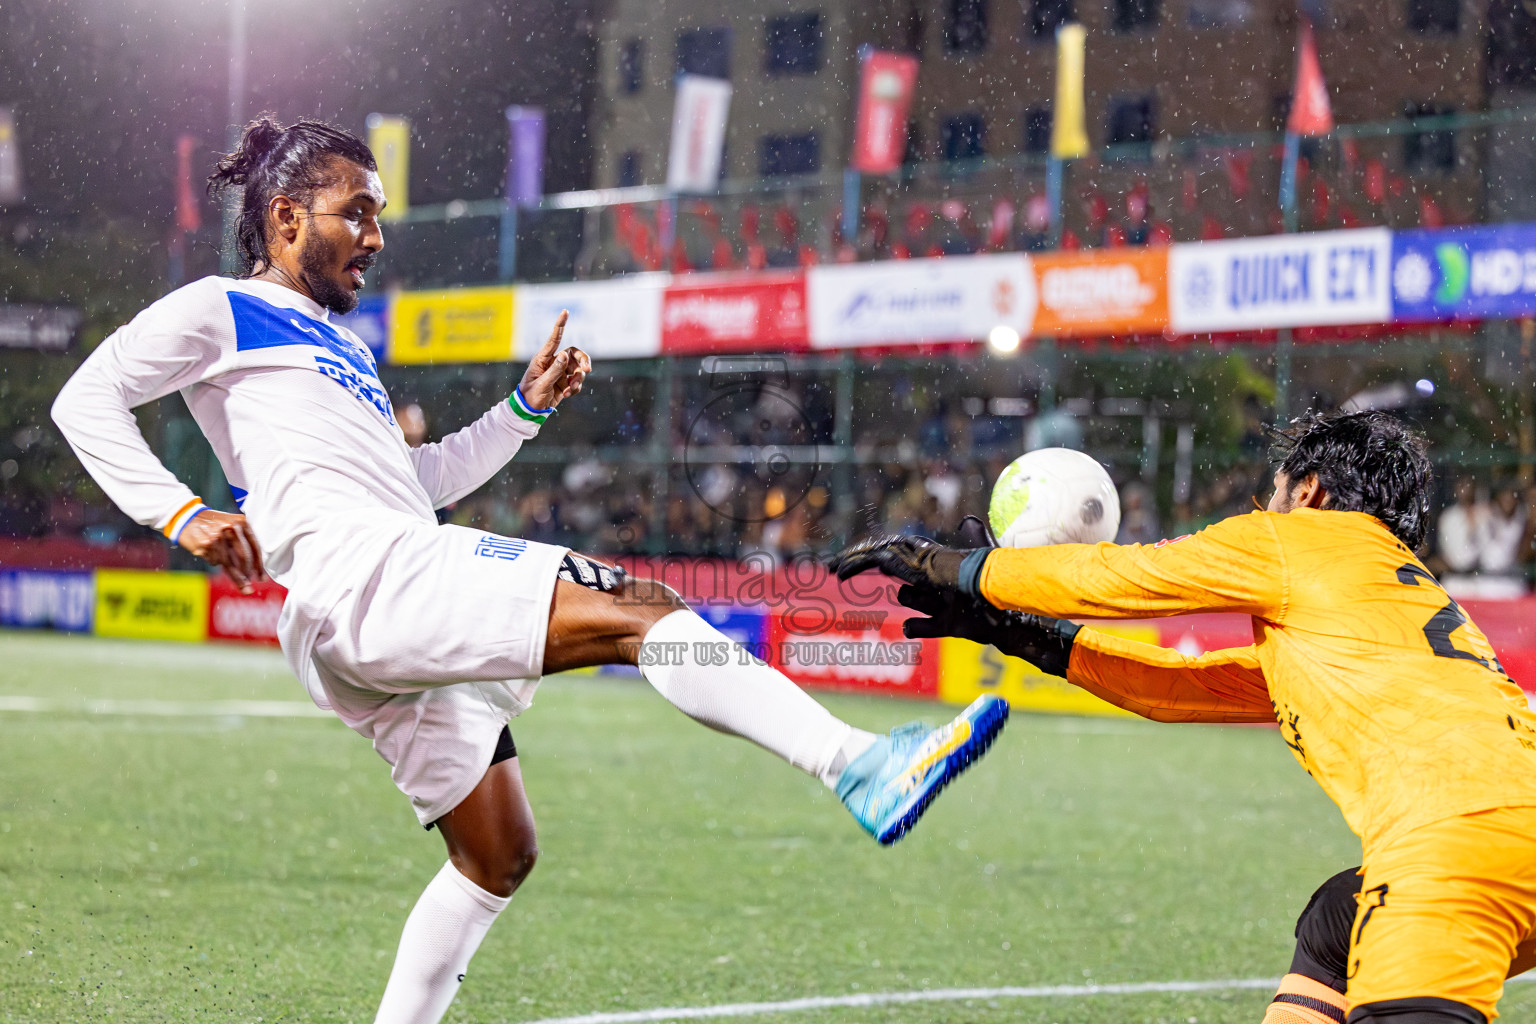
[[1368, 462], [272, 160]]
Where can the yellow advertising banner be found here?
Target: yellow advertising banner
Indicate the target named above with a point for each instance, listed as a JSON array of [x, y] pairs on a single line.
[[390, 140], [152, 605], [968, 670], [456, 325]]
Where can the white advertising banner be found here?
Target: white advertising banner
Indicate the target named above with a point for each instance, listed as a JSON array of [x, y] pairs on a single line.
[[953, 298], [698, 133], [617, 319], [1307, 280]]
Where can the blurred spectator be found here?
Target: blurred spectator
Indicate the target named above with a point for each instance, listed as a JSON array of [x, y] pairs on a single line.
[[1500, 561], [1138, 516], [413, 423], [1462, 530]]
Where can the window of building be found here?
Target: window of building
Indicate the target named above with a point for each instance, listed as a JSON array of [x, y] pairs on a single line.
[[632, 66], [965, 27], [793, 45], [1037, 130], [704, 51], [1136, 15], [1220, 13], [628, 174], [911, 29], [964, 137], [782, 155], [1432, 151], [1044, 15], [1437, 16], [1130, 121]]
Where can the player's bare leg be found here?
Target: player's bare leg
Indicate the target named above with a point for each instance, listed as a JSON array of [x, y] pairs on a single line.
[[492, 846]]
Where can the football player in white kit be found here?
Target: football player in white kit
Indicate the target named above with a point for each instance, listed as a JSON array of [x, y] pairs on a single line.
[[426, 639]]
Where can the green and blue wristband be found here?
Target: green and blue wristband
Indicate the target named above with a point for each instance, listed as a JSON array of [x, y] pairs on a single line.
[[520, 405]]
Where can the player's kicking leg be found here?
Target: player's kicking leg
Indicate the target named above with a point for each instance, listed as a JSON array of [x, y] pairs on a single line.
[[600, 616]]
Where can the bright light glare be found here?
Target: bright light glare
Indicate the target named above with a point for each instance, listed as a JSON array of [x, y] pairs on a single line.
[[1425, 387], [1003, 339]]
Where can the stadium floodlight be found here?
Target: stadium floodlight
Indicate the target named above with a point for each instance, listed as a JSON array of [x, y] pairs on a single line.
[[1003, 339]]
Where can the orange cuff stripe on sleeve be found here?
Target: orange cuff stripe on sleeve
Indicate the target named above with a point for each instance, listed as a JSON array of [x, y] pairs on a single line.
[[170, 524]]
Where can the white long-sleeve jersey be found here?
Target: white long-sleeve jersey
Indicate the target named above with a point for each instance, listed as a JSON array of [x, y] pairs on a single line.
[[295, 412]]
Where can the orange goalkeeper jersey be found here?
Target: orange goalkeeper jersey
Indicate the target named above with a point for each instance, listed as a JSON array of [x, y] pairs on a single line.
[[1386, 693]]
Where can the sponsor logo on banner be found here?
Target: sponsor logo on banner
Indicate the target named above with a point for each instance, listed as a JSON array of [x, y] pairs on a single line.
[[1315, 279], [249, 617], [617, 319], [1097, 293], [955, 298], [152, 605], [37, 599], [456, 325], [765, 311], [1465, 273]]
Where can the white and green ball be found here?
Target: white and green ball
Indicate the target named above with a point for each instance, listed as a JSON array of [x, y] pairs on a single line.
[[1054, 496]]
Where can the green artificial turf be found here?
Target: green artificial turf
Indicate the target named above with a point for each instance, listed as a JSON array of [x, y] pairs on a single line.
[[197, 867]]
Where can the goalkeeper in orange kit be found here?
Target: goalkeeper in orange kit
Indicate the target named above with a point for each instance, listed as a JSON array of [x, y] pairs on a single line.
[[1383, 689]]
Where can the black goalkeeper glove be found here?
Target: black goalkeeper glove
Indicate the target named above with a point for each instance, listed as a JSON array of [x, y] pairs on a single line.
[[1043, 642], [915, 560]]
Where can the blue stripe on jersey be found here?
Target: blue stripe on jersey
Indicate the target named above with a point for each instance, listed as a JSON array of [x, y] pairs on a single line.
[[260, 325], [239, 495]]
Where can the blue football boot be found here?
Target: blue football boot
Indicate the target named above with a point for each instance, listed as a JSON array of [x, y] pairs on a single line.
[[890, 785]]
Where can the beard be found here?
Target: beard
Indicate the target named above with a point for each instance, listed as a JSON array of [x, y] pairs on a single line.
[[316, 257]]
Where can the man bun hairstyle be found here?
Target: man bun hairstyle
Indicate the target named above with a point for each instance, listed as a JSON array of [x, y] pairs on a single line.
[[272, 160], [1369, 462]]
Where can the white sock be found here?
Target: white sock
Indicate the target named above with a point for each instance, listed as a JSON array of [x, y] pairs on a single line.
[[712, 679], [442, 933]]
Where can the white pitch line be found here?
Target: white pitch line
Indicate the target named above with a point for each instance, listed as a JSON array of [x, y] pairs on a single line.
[[168, 708], [935, 995]]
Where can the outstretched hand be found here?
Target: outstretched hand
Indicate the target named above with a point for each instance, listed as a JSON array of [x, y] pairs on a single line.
[[555, 374], [226, 540], [916, 560]]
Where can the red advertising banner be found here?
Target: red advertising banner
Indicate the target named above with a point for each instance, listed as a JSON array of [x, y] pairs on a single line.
[[861, 650], [249, 617], [735, 314], [886, 82]]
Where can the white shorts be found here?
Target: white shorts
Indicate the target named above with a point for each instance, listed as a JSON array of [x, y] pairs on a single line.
[[438, 649]]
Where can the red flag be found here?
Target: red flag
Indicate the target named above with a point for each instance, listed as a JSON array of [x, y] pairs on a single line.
[[1190, 198], [886, 82], [1374, 184], [189, 215], [1238, 166], [1311, 113]]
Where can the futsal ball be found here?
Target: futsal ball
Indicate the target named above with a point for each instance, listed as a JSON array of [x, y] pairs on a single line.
[[1054, 496]]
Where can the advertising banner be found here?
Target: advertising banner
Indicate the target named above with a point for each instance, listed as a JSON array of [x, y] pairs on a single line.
[[47, 328], [850, 655], [967, 670], [152, 605], [1069, 128], [525, 155], [1471, 273], [735, 314], [954, 298], [1118, 291], [617, 319], [390, 140], [40, 599], [1307, 280], [886, 82], [456, 325], [248, 617], [10, 159], [370, 322], [698, 133]]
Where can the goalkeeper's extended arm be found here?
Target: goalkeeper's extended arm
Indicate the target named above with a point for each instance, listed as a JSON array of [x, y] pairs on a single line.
[[1043, 642]]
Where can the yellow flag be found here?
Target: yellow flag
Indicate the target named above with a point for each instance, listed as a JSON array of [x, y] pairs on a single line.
[[390, 140], [1069, 133]]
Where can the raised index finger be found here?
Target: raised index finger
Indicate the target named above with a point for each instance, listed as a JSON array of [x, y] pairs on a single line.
[[552, 344]]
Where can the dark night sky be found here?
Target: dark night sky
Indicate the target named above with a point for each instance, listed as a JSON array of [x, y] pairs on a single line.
[[102, 88]]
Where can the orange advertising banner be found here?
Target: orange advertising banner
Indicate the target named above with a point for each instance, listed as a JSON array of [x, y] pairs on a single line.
[[1106, 291]]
